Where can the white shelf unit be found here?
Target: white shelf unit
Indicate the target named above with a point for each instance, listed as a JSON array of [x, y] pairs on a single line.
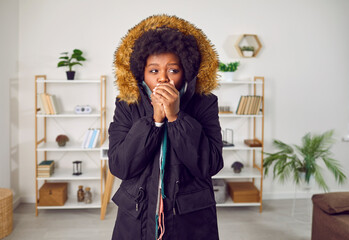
[[44, 147], [254, 172], [73, 204], [66, 174], [53, 147]]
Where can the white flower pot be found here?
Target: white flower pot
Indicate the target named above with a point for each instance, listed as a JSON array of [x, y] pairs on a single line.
[[247, 53], [227, 76]]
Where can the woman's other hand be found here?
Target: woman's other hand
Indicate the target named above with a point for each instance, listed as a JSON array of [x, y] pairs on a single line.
[[159, 113]]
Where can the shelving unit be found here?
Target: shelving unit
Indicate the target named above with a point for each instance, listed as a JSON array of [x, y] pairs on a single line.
[[251, 40], [46, 144], [253, 127]]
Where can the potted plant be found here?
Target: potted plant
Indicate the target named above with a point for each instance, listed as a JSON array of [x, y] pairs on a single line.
[[247, 51], [68, 62], [301, 162], [227, 70]]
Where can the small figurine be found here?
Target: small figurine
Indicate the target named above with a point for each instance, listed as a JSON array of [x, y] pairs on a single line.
[[61, 140], [237, 166]]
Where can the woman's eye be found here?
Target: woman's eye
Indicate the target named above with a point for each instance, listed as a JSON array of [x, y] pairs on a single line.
[[174, 71], [153, 71]]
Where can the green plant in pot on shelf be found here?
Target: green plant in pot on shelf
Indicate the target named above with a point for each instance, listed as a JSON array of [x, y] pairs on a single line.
[[302, 162], [247, 51], [227, 70], [71, 60]]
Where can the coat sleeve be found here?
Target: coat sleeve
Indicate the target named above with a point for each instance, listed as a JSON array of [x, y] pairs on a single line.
[[131, 144], [197, 143]]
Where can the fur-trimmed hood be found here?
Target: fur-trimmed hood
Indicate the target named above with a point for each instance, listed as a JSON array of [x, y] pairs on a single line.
[[128, 87]]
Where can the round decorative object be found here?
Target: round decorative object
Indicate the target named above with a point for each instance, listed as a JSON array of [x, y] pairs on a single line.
[[61, 140], [237, 166], [83, 109], [6, 212]]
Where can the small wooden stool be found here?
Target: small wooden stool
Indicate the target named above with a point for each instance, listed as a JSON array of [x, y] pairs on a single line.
[[6, 212]]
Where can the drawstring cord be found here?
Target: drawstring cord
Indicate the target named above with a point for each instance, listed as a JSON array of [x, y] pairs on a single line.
[[160, 216]]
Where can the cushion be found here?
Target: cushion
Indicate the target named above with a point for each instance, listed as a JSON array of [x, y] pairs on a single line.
[[332, 203]]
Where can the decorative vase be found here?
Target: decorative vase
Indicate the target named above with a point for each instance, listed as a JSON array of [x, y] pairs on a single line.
[[227, 76], [306, 185], [247, 53], [70, 75]]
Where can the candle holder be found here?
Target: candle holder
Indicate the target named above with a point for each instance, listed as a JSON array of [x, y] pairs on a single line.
[[77, 169]]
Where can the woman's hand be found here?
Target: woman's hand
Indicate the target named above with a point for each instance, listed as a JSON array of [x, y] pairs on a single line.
[[168, 96], [159, 113]]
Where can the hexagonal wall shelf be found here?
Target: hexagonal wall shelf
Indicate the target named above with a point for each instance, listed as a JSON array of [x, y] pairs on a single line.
[[248, 40]]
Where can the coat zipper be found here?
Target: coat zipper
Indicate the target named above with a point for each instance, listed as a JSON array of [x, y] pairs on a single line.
[[139, 197], [174, 196]]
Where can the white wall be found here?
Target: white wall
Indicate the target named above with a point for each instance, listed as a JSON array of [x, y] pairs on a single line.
[[9, 20], [304, 59]]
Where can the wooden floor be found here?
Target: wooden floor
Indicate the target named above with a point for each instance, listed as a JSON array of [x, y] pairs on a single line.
[[238, 223]]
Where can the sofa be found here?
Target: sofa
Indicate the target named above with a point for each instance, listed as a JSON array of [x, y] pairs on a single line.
[[330, 216]]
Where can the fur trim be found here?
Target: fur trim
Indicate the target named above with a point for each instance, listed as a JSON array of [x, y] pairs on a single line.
[[126, 82]]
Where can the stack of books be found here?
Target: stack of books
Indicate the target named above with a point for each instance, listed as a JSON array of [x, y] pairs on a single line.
[[46, 168], [91, 138], [47, 103], [249, 105]]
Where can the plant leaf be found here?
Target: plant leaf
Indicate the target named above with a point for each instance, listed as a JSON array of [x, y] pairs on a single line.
[[77, 51], [62, 64], [334, 167], [320, 180]]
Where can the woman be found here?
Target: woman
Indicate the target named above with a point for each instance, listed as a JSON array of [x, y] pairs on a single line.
[[165, 140]]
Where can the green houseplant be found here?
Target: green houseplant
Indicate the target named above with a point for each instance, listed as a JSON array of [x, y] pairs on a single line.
[[69, 61], [301, 162], [227, 70], [247, 51]]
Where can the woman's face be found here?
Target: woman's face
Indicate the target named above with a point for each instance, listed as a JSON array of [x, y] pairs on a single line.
[[163, 68]]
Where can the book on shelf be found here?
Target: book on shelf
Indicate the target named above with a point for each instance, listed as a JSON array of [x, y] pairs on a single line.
[[46, 168], [91, 138], [47, 103], [249, 105]]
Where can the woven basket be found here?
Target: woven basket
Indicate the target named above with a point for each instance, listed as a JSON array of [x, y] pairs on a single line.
[[6, 216]]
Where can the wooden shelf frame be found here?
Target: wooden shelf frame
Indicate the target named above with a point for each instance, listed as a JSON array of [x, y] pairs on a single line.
[[41, 145], [257, 45]]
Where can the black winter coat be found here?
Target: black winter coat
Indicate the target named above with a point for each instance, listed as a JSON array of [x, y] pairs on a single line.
[[194, 155]]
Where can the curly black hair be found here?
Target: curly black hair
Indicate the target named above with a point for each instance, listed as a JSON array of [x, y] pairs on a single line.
[[165, 40]]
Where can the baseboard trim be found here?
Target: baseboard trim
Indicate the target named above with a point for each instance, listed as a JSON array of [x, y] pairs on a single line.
[[16, 202], [294, 195], [28, 199]]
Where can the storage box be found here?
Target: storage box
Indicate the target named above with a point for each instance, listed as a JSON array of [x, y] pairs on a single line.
[[220, 190], [53, 194], [243, 192]]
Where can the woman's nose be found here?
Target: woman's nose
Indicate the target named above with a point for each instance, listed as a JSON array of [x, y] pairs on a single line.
[[163, 78]]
